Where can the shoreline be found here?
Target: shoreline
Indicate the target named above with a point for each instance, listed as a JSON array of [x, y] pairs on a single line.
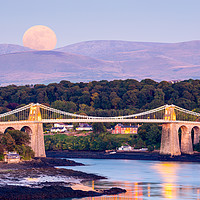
[[51, 192], [154, 156], [41, 178], [69, 183]]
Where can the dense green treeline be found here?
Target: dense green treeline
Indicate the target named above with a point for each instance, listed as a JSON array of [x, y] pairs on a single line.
[[104, 98]]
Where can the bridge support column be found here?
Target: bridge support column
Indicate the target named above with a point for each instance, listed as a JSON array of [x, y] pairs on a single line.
[[186, 141], [37, 140], [170, 140]]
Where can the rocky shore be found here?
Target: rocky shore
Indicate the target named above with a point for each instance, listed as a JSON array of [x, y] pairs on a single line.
[[39, 163], [50, 192], [40, 179], [124, 155]]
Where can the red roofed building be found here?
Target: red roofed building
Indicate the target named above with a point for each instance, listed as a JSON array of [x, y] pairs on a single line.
[[121, 129]]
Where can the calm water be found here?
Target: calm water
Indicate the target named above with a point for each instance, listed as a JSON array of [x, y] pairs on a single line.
[[144, 179]]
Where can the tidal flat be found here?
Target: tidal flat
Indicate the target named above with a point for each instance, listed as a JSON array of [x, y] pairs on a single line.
[[41, 179]]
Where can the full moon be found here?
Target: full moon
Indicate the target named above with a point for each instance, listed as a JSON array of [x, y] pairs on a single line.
[[40, 38]]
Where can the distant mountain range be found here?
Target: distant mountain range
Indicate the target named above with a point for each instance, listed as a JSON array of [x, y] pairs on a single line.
[[98, 60], [12, 48]]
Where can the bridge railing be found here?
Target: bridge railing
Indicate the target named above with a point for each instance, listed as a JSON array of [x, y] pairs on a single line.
[[20, 114], [186, 115], [51, 113]]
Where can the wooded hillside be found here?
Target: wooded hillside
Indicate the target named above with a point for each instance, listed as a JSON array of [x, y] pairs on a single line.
[[104, 98]]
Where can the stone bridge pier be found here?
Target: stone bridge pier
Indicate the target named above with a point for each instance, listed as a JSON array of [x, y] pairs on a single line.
[[34, 129], [170, 143], [33, 126]]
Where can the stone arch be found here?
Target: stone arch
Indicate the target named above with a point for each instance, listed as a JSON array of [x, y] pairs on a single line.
[[27, 129], [181, 130], [9, 128], [195, 132], [185, 140]]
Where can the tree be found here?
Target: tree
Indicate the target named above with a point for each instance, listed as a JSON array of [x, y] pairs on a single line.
[[25, 151], [12, 106], [93, 97], [8, 142], [67, 106], [140, 144], [149, 82], [130, 98], [105, 102], [159, 97], [1, 151], [150, 134], [84, 108], [98, 128], [97, 102], [85, 98], [115, 100], [20, 137]]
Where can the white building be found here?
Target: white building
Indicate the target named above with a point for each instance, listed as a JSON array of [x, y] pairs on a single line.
[[68, 126], [84, 127], [59, 127], [126, 148]]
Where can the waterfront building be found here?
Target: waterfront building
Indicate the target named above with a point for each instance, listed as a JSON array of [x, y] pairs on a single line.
[[125, 148], [124, 129], [12, 157]]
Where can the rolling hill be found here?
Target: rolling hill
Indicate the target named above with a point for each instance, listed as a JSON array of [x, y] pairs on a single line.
[[97, 60], [12, 48], [49, 66]]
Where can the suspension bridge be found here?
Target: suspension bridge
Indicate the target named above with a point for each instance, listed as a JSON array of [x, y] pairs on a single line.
[[30, 118]]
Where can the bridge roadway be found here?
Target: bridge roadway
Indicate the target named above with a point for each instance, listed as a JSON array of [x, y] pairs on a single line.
[[104, 120]]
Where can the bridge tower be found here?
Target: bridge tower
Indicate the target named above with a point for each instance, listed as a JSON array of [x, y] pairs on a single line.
[[170, 138], [170, 113], [37, 138]]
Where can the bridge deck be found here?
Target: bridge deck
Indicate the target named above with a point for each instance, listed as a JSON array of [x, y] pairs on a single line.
[[158, 121]]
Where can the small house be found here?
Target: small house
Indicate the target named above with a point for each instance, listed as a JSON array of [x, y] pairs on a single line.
[[12, 157]]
